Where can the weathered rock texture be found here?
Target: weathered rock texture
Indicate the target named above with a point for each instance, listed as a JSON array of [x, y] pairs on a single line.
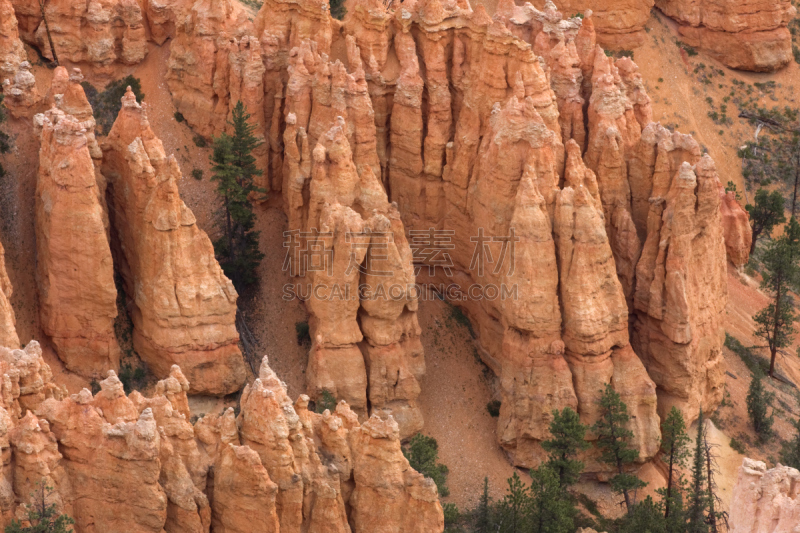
[[331, 187], [133, 464], [8, 330], [736, 225], [519, 158], [743, 34], [12, 51], [184, 308], [765, 501], [619, 25], [75, 271], [98, 32], [21, 95]]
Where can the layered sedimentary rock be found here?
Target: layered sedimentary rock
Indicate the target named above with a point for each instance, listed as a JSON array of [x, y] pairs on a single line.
[[363, 309], [743, 34], [99, 32], [765, 500], [8, 330], [75, 272], [184, 308], [619, 25], [12, 51]]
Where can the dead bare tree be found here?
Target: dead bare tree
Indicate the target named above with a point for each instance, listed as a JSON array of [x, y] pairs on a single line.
[[42, 5], [715, 518]]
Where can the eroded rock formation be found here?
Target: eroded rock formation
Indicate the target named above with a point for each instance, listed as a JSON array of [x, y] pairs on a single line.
[[98, 32], [8, 330], [12, 51], [743, 34], [765, 501], [363, 307], [75, 271], [122, 463], [184, 307], [476, 130]]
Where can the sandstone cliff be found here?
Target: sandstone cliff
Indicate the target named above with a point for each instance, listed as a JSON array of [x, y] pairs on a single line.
[[99, 32], [743, 34], [765, 500], [75, 272], [8, 330], [184, 308]]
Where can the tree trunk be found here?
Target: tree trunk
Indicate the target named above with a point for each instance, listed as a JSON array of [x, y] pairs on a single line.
[[669, 480], [773, 345], [753, 242], [47, 30], [712, 518]]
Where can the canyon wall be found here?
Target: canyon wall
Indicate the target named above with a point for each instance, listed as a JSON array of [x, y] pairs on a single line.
[[184, 308], [743, 34], [8, 330], [765, 501], [128, 464]]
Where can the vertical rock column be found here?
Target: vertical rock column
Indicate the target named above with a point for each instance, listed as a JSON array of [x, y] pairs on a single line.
[[184, 309], [75, 272]]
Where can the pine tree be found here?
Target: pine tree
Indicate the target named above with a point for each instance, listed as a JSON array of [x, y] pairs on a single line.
[[781, 274], [765, 214], [568, 439], [758, 402], [790, 454], [482, 513], [42, 516], [698, 502], [514, 508], [234, 168], [674, 442], [612, 438], [550, 511], [422, 453], [646, 517]]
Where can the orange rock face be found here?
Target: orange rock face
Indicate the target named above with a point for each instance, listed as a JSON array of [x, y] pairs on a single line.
[[100, 32], [736, 225], [8, 331], [185, 307], [765, 500], [122, 463], [480, 139], [363, 308], [12, 51], [75, 272], [743, 34]]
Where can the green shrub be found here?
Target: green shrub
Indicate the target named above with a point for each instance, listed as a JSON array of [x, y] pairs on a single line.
[[179, 116], [738, 446], [422, 453], [756, 364], [303, 333], [494, 408], [106, 104], [200, 141], [758, 402], [197, 174], [325, 401]]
